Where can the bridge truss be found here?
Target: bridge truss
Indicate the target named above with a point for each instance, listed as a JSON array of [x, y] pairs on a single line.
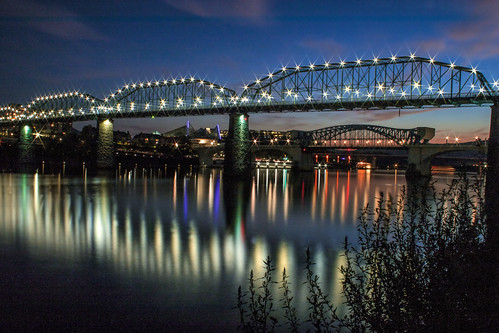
[[347, 136], [396, 82]]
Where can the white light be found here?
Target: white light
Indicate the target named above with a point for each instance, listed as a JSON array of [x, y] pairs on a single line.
[[311, 66], [358, 61], [326, 65], [440, 92], [283, 69], [380, 86], [375, 60], [412, 56], [473, 70], [452, 65], [342, 63], [394, 58]]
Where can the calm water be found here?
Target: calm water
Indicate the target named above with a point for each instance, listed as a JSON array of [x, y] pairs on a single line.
[[168, 253]]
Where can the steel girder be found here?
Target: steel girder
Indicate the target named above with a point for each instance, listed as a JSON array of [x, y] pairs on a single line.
[[160, 98], [371, 134], [396, 82]]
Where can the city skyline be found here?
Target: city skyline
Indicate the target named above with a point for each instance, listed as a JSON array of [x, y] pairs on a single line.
[[97, 47]]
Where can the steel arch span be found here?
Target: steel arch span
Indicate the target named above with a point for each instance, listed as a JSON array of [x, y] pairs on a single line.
[[159, 98], [379, 83], [369, 135], [396, 82]]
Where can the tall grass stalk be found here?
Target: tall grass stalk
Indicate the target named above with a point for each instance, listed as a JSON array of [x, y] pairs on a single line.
[[419, 264]]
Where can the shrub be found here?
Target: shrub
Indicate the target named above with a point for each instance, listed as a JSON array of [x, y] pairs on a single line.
[[420, 264]]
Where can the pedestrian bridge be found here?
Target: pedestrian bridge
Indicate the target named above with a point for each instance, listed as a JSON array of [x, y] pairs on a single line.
[[407, 82], [379, 83]]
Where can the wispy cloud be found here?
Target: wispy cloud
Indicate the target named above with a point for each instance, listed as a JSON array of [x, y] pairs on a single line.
[[50, 19], [323, 46], [249, 9], [476, 37]]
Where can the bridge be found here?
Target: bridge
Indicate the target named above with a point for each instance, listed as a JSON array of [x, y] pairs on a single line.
[[381, 83], [302, 147]]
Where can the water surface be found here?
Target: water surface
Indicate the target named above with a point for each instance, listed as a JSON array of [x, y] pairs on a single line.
[[147, 251]]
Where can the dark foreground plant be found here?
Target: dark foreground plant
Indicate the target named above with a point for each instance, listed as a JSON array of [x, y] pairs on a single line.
[[420, 265]]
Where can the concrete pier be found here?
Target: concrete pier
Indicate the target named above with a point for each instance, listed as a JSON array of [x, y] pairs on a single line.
[[105, 145], [237, 147]]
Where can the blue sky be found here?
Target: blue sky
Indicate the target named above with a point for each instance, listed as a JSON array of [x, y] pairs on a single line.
[[97, 46]]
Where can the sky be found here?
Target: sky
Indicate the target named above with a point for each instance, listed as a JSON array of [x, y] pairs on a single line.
[[98, 46]]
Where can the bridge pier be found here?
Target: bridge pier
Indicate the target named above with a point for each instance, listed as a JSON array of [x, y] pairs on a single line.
[[25, 146], [237, 147], [105, 144], [418, 163], [492, 180], [303, 160]]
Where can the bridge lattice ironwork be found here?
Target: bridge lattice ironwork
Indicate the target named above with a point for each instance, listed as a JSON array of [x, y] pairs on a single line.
[[363, 136], [396, 82]]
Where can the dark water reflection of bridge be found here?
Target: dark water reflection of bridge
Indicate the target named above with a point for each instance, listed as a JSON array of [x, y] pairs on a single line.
[[190, 238]]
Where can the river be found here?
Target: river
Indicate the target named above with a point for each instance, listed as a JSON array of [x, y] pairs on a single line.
[[147, 250]]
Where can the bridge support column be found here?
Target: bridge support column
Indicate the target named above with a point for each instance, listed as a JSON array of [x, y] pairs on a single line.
[[25, 146], [417, 163], [237, 147], [492, 181], [303, 160], [105, 145]]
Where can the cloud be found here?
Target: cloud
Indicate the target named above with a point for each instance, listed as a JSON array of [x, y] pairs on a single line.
[[325, 46], [250, 9], [477, 37], [50, 19]]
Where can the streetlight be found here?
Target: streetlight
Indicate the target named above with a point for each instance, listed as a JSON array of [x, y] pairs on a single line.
[[446, 140]]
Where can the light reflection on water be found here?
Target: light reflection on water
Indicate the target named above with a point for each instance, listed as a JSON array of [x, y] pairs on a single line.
[[193, 232]]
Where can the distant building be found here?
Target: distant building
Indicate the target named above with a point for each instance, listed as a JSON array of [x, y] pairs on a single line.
[[179, 132], [122, 138], [149, 139]]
